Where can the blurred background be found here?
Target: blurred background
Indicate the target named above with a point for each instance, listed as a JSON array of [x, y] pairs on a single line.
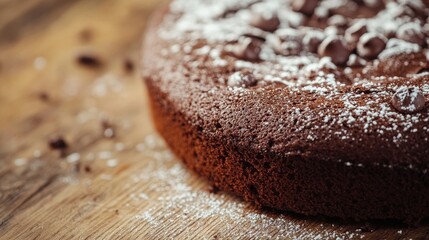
[[41, 40]]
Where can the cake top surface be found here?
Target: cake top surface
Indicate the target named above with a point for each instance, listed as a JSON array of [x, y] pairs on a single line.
[[359, 67]]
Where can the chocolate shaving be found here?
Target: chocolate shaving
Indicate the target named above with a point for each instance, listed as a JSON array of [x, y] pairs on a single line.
[[89, 60], [58, 143], [128, 65]]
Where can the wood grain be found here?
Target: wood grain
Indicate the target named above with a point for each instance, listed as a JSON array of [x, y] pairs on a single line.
[[126, 187]]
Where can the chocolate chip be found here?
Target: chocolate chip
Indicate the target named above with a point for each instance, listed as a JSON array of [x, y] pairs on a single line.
[[290, 41], [305, 6], [58, 143], [334, 48], [370, 45], [266, 23], [408, 100], [242, 79], [312, 40], [247, 49], [89, 60], [354, 32], [396, 47], [411, 32]]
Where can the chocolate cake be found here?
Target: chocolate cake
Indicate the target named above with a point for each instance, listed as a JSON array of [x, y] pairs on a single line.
[[315, 107]]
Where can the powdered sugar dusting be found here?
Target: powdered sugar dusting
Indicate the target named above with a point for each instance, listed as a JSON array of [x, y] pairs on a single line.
[[211, 28]]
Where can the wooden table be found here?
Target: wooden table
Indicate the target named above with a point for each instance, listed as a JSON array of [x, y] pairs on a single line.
[[117, 179]]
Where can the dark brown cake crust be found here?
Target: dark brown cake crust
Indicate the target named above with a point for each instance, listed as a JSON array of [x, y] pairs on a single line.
[[251, 141]]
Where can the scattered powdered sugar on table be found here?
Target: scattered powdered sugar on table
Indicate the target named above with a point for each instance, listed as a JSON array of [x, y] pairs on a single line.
[[173, 198], [20, 162]]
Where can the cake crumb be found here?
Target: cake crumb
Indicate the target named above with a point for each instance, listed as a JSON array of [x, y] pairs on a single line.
[[57, 142], [87, 169]]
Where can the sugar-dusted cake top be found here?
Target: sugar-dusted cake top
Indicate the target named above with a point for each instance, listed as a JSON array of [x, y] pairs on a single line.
[[355, 72]]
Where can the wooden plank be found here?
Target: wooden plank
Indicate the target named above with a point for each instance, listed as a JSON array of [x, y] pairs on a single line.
[[127, 187]]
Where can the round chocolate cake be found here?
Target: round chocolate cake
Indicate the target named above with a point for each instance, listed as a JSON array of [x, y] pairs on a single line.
[[315, 107]]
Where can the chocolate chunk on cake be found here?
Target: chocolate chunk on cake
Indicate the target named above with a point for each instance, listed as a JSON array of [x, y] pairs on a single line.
[[315, 107]]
